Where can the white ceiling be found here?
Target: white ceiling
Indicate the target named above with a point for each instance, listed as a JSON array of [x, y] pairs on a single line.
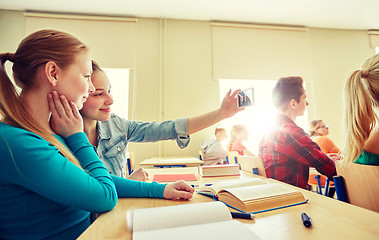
[[342, 14]]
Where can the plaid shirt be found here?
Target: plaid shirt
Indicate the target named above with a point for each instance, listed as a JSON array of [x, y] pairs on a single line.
[[288, 152]]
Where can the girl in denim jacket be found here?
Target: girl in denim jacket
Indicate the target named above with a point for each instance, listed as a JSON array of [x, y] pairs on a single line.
[[110, 134]]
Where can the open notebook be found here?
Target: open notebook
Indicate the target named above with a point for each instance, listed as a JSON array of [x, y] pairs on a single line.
[[200, 221]]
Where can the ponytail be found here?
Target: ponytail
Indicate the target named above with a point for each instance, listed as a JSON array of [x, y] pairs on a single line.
[[359, 116]]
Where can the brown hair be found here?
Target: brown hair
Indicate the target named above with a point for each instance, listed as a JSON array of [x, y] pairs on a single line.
[[96, 67], [217, 130], [361, 95], [286, 89], [34, 51]]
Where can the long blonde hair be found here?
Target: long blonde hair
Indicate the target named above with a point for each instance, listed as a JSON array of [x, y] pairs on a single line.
[[235, 134], [34, 51], [361, 95]]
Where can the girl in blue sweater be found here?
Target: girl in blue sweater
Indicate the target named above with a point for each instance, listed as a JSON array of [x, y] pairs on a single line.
[[50, 176]]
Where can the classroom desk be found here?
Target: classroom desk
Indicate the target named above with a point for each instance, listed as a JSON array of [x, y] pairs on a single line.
[[171, 162], [331, 219]]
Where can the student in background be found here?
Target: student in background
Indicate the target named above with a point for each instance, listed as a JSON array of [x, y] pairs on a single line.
[[110, 134], [214, 149], [239, 135], [361, 114], [319, 134], [50, 176], [286, 150]]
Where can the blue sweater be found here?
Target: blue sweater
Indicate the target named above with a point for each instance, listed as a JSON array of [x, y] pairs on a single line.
[[44, 196]]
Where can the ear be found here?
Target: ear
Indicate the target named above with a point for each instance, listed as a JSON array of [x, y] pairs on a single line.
[[51, 71], [292, 103]]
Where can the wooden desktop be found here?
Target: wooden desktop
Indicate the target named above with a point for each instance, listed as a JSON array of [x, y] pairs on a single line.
[[331, 219]]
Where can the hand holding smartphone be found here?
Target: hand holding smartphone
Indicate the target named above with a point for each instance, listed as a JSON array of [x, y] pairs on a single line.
[[245, 98]]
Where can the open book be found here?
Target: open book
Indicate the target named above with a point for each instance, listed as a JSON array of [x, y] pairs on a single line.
[[200, 221], [254, 195], [214, 188]]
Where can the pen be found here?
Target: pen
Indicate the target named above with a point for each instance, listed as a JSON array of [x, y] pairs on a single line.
[[208, 184], [307, 221], [242, 215]]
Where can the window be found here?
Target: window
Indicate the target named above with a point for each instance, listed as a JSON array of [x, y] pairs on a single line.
[[259, 117], [119, 79]]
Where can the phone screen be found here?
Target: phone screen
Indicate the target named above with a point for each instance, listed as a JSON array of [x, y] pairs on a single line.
[[246, 98]]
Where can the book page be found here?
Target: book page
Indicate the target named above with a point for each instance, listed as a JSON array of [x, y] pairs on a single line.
[[259, 192], [180, 215], [225, 230], [216, 187]]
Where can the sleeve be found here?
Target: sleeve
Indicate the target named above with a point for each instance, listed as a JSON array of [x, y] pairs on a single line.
[[329, 146], [137, 189], [39, 166], [301, 148], [138, 131]]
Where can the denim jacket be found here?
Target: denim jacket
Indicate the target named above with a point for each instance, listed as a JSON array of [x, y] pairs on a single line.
[[114, 135]]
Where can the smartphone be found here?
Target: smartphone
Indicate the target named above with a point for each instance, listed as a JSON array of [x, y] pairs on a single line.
[[246, 98]]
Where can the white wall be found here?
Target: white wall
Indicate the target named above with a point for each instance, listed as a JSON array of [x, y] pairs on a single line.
[[173, 74]]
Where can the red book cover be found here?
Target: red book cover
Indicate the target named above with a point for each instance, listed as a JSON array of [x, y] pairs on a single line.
[[174, 177]]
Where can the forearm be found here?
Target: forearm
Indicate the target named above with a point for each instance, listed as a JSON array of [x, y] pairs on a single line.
[[228, 108], [131, 188], [198, 123]]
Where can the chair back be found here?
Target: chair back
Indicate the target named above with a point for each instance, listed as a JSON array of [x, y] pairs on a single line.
[[232, 157], [361, 183], [249, 163], [130, 162], [201, 155], [319, 181]]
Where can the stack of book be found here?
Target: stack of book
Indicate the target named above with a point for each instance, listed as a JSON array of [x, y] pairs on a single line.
[[219, 170]]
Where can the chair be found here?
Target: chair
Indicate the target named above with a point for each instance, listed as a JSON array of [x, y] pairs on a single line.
[[320, 181], [252, 164], [130, 162], [232, 157], [358, 184]]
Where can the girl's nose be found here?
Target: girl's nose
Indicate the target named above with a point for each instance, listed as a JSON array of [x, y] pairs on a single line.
[[109, 100], [91, 88]]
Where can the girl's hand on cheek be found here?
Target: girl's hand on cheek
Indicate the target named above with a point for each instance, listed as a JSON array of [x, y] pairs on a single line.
[[65, 117]]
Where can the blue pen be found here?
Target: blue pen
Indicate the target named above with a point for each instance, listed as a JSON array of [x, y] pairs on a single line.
[[208, 184], [242, 215]]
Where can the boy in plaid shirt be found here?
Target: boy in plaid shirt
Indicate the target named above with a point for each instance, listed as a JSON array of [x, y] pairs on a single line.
[[286, 150]]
